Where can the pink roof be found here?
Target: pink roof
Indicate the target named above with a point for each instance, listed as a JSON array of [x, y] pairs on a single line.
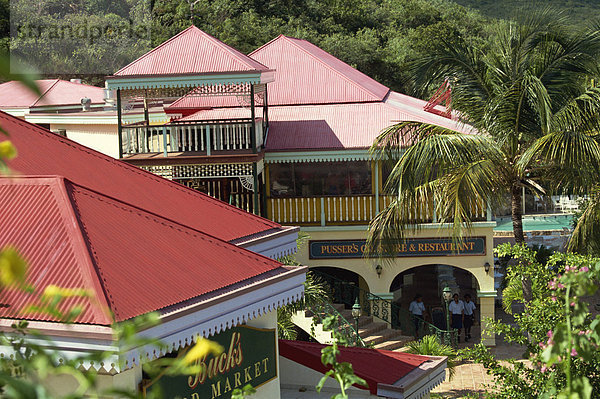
[[335, 126], [42, 152], [133, 261], [375, 366], [191, 51], [53, 92], [307, 74]]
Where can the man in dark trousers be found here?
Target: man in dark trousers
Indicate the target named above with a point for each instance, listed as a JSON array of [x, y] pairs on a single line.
[[469, 316]]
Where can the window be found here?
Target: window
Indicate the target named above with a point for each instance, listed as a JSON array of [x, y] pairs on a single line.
[[310, 179]]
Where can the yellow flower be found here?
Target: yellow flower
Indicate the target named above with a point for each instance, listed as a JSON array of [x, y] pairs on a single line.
[[202, 348], [12, 267], [7, 150]]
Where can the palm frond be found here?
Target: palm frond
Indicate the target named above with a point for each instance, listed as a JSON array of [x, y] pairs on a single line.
[[586, 235]]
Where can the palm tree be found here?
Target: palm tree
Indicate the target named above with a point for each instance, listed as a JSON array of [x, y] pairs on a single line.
[[530, 99]]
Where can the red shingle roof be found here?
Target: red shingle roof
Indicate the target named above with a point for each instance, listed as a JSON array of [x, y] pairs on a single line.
[[192, 51], [42, 152], [53, 92], [307, 74], [133, 261], [375, 366]]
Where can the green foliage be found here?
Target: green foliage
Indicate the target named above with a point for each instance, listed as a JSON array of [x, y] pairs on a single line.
[[555, 329], [341, 372], [430, 345]]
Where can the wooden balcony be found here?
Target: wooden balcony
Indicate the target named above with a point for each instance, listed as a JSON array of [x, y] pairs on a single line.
[[201, 138], [344, 210]]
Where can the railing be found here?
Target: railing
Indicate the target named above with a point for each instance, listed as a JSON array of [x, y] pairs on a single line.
[[203, 137], [350, 209], [323, 309], [385, 310]]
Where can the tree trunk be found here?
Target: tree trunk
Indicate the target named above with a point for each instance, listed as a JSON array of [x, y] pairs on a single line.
[[517, 220]]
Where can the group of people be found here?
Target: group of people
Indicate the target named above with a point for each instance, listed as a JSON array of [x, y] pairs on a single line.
[[463, 314]]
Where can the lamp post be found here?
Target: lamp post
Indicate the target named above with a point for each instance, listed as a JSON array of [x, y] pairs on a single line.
[[447, 296], [356, 313]]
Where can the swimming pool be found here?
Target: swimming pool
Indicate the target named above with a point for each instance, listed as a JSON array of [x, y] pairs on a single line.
[[536, 222]]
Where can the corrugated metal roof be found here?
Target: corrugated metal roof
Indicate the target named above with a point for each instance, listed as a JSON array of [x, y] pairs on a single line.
[[134, 261], [307, 74], [335, 126], [13, 94], [375, 366], [42, 152], [191, 51]]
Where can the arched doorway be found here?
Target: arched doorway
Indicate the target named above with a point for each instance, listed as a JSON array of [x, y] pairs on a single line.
[[429, 281], [344, 284]]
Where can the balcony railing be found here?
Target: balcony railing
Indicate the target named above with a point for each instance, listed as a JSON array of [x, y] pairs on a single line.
[[340, 210], [203, 137]]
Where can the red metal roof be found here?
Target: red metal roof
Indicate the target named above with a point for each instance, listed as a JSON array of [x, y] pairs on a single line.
[[42, 152], [307, 74], [134, 261], [191, 51], [375, 366], [334, 126], [53, 92]]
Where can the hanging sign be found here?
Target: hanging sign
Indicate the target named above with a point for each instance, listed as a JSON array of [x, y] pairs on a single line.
[[344, 249], [249, 357]]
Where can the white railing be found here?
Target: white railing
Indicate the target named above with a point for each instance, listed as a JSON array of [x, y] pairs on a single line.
[[204, 137]]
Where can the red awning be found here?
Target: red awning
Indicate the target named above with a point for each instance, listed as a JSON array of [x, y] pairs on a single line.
[[375, 366]]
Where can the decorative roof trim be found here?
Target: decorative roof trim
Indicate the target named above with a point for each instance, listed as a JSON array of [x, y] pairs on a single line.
[[183, 326], [418, 383], [276, 245], [191, 81], [318, 156]]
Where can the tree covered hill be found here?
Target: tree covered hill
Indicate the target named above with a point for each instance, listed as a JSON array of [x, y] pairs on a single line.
[[578, 11]]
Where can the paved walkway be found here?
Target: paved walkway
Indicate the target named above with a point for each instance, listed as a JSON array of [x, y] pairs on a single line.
[[471, 378]]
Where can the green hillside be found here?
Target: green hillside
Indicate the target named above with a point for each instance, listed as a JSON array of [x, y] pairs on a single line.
[[578, 11]]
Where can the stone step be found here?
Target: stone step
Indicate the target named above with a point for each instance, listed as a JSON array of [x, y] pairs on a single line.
[[396, 344], [382, 336], [371, 328], [340, 307]]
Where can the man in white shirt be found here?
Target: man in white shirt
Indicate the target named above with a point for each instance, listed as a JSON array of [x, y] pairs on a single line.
[[417, 309], [469, 316], [457, 309]]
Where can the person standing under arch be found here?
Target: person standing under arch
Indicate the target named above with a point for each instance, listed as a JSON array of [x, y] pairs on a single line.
[[457, 309], [469, 316], [417, 310]]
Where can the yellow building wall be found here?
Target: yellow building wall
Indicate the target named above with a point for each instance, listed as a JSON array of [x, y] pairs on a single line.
[[102, 138]]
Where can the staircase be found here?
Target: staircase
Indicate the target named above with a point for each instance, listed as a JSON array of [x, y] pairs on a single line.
[[376, 334]]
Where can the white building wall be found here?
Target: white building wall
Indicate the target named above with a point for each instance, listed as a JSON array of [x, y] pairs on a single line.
[[102, 138]]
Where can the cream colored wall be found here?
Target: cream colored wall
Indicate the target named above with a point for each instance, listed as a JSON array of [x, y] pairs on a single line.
[[102, 138], [380, 285], [128, 380]]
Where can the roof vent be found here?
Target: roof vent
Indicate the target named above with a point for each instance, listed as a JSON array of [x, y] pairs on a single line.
[[86, 104], [76, 81]]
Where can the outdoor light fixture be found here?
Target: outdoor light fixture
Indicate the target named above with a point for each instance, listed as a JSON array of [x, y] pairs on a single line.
[[378, 269], [447, 293], [356, 313], [486, 266]]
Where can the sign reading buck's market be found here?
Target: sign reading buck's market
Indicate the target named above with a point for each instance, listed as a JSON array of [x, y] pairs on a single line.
[[248, 358], [341, 249]]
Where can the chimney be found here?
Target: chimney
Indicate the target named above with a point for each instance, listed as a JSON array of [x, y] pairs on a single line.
[[86, 104]]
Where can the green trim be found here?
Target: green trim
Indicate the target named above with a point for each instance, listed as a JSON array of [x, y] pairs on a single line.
[[487, 294], [366, 227], [318, 156], [153, 82]]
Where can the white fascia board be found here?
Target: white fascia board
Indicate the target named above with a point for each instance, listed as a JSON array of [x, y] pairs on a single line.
[[181, 327], [67, 119], [418, 383], [276, 245], [19, 112]]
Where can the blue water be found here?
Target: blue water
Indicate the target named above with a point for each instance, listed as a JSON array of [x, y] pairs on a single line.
[[536, 223]]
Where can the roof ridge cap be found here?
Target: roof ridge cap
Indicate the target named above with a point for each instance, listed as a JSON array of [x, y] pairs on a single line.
[[343, 76], [264, 45], [137, 170], [90, 271], [160, 218], [232, 50], [45, 92], [156, 48]]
